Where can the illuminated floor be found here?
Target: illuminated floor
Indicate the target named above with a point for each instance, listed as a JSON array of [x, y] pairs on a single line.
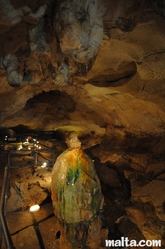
[[33, 230]]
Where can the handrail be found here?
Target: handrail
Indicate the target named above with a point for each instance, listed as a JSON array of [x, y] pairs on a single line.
[[45, 146], [8, 240], [35, 153], [51, 163]]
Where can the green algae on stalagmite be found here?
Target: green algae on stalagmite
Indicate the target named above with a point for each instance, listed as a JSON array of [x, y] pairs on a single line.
[[76, 191]]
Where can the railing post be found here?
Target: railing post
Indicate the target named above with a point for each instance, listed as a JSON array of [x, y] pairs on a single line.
[[35, 158], [53, 156]]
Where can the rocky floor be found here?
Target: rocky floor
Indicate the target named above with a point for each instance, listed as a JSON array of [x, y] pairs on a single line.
[[33, 230]]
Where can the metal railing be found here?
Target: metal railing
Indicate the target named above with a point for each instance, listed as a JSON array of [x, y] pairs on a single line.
[[5, 188]]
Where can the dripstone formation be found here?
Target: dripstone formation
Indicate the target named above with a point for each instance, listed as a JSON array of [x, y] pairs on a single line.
[[77, 197]]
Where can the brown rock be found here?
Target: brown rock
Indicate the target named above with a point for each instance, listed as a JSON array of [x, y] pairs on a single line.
[[24, 195], [152, 192], [111, 64], [108, 176], [136, 216]]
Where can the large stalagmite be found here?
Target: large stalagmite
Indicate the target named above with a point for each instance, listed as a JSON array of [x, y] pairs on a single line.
[[76, 189], [76, 195]]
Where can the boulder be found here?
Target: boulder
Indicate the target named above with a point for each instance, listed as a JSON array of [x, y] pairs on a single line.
[[152, 192], [112, 63]]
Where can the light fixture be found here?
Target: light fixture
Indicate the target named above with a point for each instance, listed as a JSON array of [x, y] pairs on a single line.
[[43, 165], [34, 208], [19, 148]]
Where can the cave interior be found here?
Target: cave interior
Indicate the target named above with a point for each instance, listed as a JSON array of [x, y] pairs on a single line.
[[96, 68]]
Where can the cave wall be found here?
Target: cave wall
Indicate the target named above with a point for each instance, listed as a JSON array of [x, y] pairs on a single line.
[[107, 56]]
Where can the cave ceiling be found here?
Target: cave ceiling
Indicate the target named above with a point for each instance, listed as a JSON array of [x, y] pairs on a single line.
[[90, 66]]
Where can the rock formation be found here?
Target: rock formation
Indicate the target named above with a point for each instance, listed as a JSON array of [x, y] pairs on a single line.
[[76, 196]]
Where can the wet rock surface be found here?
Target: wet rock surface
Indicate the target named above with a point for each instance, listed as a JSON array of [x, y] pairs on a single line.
[[76, 191]]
